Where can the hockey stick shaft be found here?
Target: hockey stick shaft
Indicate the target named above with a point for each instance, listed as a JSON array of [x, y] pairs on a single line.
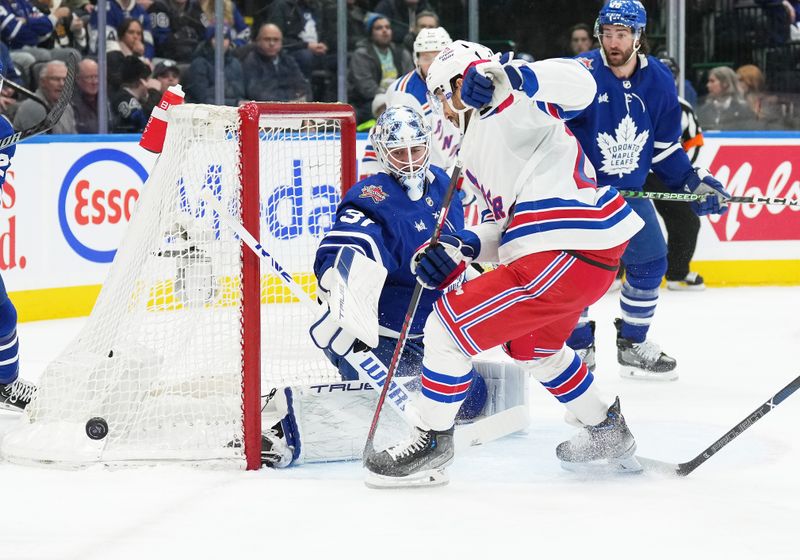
[[366, 364], [685, 468], [26, 92], [412, 308], [52, 118], [688, 197]]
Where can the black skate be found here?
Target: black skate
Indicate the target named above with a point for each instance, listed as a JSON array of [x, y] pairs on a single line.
[[16, 395], [607, 447], [643, 360], [587, 355], [691, 282], [418, 462]]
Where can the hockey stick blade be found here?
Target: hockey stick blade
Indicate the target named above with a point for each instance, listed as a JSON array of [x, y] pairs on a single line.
[[490, 428], [683, 469], [52, 118]]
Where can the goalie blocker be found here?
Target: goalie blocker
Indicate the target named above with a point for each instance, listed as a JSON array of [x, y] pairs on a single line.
[[329, 422]]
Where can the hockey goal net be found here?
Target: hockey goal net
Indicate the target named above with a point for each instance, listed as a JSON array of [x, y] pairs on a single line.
[[189, 326]]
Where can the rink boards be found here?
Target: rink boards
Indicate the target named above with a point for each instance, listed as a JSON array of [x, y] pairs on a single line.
[[67, 201]]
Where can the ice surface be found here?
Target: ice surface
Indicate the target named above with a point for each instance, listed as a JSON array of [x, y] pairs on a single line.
[[508, 499]]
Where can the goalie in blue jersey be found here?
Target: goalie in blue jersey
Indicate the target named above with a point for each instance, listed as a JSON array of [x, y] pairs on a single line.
[[15, 393], [380, 223]]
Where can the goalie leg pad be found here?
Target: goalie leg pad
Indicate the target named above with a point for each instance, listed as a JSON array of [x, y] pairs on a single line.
[[507, 384]]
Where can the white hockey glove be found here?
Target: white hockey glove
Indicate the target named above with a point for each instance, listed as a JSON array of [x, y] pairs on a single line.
[[348, 318]]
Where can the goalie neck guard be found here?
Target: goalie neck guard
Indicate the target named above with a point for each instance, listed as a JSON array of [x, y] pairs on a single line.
[[402, 141]]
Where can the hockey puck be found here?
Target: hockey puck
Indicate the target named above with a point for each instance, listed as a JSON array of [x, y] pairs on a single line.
[[96, 428]]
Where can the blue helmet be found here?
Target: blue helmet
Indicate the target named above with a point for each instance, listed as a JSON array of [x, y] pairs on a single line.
[[630, 13]]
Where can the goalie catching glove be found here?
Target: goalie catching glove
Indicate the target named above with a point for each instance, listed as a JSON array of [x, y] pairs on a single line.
[[489, 82], [437, 266], [702, 182]]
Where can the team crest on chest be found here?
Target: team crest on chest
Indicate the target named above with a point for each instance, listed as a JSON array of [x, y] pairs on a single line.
[[621, 152], [420, 225], [375, 192]]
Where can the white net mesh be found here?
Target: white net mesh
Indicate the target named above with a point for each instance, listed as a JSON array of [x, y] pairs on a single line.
[[160, 358]]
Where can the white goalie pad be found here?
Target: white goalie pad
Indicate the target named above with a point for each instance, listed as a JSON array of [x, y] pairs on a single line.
[[507, 384], [355, 289]]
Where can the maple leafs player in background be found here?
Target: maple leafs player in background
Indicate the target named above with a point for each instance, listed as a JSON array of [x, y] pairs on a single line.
[[557, 237], [385, 218], [410, 90], [632, 126], [15, 393]]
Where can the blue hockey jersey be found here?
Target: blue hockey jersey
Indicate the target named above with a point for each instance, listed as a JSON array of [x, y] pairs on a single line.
[[633, 125], [378, 219], [7, 153]]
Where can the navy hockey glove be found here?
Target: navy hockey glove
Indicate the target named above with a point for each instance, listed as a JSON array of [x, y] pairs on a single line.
[[437, 266], [703, 183], [477, 89]]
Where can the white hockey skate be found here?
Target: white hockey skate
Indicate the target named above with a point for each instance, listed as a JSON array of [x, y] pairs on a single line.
[[16, 395], [421, 461], [644, 360], [607, 447]]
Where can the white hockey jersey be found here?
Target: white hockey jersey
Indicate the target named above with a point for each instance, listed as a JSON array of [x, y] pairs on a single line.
[[539, 191]]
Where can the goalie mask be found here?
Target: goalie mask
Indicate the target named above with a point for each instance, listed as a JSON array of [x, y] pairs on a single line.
[[402, 141], [447, 67]]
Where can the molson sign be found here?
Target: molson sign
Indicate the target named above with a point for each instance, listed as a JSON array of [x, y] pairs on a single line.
[[758, 170]]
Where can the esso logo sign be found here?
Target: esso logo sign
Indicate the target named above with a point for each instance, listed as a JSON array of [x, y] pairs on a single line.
[[772, 171], [96, 200]]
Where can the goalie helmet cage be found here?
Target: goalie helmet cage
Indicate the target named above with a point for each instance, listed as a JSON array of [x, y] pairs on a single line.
[[188, 327]]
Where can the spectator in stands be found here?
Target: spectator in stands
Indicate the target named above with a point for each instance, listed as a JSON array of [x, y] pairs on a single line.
[[158, 13], [205, 10], [302, 26], [133, 102], [356, 14], [167, 73], [270, 74], [186, 31], [69, 31], [401, 15], [724, 107], [52, 78], [580, 39], [130, 43], [424, 20], [22, 28], [118, 11], [200, 78], [374, 66], [767, 108], [84, 98], [778, 13]]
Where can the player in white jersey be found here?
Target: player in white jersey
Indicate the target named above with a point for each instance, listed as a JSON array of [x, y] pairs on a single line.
[[558, 239], [362, 268], [410, 90]]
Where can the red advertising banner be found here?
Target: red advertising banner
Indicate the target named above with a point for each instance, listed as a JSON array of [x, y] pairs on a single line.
[[758, 170]]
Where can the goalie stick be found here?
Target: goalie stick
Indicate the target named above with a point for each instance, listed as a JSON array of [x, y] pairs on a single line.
[[683, 469], [687, 197], [369, 447], [369, 368], [56, 111]]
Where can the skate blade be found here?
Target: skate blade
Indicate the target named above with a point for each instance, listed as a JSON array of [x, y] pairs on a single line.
[[425, 479], [628, 372], [628, 464]]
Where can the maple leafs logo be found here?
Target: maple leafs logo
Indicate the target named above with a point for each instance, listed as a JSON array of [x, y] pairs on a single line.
[[621, 153]]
